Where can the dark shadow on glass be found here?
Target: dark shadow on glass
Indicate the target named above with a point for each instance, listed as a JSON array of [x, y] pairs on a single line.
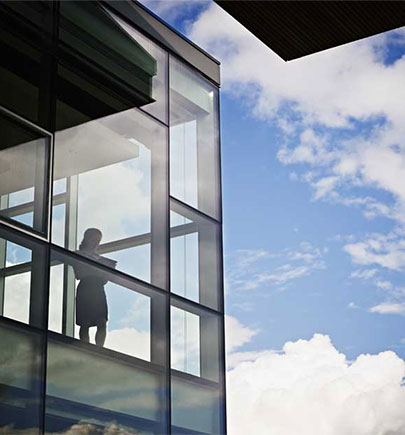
[[20, 381], [91, 300]]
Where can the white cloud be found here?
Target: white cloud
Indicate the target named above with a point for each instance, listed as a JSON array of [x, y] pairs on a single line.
[[336, 89], [386, 250], [388, 308], [364, 273], [311, 389], [250, 269], [236, 333]]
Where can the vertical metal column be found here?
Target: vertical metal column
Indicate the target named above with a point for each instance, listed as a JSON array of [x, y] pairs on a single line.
[[68, 312], [3, 254]]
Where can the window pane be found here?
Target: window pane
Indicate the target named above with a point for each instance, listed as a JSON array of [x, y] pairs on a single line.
[[194, 152], [196, 409], [95, 306], [23, 174], [22, 278], [195, 257], [20, 381], [158, 107], [20, 62], [185, 340], [93, 392], [105, 70], [195, 341], [116, 171]]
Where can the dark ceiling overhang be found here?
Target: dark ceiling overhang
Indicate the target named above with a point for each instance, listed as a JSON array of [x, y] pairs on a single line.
[[297, 28]]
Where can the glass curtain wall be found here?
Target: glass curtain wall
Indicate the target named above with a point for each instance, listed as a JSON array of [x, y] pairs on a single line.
[[111, 305]]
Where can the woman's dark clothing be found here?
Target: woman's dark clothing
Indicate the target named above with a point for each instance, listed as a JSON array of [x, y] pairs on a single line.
[[91, 301]]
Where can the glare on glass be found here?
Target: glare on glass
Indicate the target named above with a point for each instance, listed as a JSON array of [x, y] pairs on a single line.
[[23, 174], [195, 341], [195, 407], [158, 107], [22, 279], [91, 393], [20, 380], [194, 256], [114, 170], [96, 307], [194, 140]]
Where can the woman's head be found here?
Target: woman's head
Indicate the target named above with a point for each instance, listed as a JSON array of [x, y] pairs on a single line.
[[91, 239]]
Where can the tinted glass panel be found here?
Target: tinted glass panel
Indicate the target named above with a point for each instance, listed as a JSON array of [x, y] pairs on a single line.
[[23, 69], [105, 70], [20, 381], [22, 278], [115, 170], [195, 256], [158, 107], [195, 341], [88, 393], [194, 134], [196, 408], [96, 306], [23, 174]]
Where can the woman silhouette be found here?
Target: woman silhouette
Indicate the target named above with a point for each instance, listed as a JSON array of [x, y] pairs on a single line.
[[91, 301]]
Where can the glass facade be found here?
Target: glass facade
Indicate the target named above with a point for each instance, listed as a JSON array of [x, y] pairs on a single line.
[[111, 283]]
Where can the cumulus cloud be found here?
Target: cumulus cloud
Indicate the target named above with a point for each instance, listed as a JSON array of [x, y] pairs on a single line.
[[324, 392], [237, 334], [386, 250]]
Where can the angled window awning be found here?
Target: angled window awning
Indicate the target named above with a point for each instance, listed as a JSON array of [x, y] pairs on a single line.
[[95, 47]]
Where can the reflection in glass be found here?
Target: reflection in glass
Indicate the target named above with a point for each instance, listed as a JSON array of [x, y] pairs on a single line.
[[20, 387], [158, 107], [104, 71], [115, 170], [185, 340], [194, 141], [23, 174], [22, 278], [196, 408], [195, 257], [83, 295], [195, 341], [92, 392], [22, 65]]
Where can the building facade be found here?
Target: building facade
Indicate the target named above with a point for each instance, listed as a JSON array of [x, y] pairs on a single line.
[[111, 275]]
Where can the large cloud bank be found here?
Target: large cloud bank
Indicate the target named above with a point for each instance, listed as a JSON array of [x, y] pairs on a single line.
[[311, 389]]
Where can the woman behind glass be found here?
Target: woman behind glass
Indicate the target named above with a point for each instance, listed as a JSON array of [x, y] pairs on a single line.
[[91, 300]]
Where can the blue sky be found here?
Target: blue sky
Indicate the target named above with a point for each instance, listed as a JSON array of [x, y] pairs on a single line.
[[274, 205], [313, 157]]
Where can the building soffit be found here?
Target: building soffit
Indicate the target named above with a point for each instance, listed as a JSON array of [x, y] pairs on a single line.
[[294, 29]]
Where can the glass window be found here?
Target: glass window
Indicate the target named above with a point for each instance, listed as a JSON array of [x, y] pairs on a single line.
[[23, 69], [194, 140], [98, 307], [158, 107], [105, 69], [23, 174], [195, 341], [22, 278], [90, 392], [116, 185], [20, 380], [196, 408], [195, 266]]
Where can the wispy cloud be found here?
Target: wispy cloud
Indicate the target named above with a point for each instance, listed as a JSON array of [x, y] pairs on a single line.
[[388, 308], [251, 269]]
